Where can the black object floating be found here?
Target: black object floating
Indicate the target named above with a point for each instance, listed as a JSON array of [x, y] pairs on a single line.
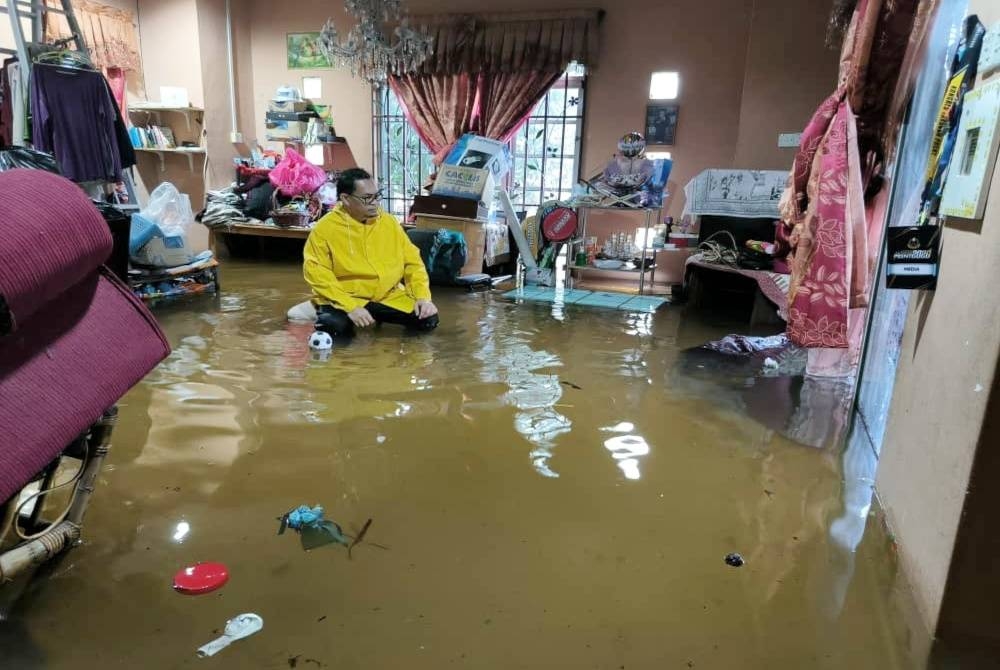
[[734, 560]]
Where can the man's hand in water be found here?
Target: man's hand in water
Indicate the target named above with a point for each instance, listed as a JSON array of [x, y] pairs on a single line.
[[424, 309], [361, 318]]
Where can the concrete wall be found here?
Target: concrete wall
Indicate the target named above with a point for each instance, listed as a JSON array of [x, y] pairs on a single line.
[[787, 74], [215, 76], [171, 52], [749, 70], [943, 387], [270, 22]]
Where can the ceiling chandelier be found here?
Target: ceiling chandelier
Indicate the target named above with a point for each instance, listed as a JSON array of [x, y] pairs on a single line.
[[369, 50]]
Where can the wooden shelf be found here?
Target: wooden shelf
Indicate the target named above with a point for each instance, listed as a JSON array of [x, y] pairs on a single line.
[[192, 150], [263, 230], [190, 153], [162, 108]]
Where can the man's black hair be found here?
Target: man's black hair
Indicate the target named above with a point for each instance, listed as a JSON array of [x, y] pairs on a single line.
[[347, 179]]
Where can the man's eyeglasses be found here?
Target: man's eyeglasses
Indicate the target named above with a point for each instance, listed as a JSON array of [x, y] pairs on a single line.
[[368, 199]]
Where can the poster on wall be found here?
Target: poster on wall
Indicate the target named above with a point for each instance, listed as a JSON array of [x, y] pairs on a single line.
[[661, 124], [304, 52]]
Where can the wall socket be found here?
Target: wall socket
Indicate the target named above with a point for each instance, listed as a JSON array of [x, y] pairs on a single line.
[[236, 138], [789, 140], [989, 58]]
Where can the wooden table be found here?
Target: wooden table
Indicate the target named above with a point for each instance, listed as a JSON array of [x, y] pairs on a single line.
[[220, 237]]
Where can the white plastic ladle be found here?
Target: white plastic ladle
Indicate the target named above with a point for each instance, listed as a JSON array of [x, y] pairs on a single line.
[[237, 628]]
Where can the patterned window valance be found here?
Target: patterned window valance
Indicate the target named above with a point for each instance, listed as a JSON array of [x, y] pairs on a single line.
[[511, 42], [109, 32]]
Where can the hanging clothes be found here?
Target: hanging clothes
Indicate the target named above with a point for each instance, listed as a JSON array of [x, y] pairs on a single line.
[[5, 107], [13, 110], [126, 153], [74, 118], [116, 78], [829, 265]]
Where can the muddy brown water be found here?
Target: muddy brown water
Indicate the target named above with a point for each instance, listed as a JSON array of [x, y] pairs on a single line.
[[557, 488]]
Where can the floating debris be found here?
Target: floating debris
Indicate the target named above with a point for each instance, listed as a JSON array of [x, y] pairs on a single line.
[[237, 628], [734, 560], [314, 530], [360, 536]]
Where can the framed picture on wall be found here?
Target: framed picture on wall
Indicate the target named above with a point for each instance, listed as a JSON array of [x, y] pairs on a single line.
[[661, 124], [304, 52]]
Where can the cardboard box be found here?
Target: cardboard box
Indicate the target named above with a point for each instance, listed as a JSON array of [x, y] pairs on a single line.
[[285, 130], [446, 205], [473, 231], [287, 105], [480, 152], [465, 182], [164, 251]]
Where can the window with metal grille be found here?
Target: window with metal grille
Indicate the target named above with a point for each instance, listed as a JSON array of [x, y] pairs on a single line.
[[545, 151]]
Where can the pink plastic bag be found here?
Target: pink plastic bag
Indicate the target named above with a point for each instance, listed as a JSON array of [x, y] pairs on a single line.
[[294, 175]]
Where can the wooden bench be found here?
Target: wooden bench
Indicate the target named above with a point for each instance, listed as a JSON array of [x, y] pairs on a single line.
[[223, 239]]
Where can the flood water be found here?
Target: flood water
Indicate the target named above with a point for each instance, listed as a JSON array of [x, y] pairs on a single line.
[[555, 488]]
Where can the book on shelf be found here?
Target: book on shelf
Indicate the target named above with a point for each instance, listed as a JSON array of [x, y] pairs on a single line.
[[152, 137]]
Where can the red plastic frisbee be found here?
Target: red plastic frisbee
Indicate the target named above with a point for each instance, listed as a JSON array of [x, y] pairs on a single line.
[[201, 578]]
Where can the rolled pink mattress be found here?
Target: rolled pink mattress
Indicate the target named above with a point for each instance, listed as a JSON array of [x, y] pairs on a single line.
[[76, 353], [52, 237]]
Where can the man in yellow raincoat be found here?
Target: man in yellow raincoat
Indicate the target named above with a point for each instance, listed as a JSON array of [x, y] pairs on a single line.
[[362, 267]]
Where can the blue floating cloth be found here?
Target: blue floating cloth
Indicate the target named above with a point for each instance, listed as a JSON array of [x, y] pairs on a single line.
[[304, 516]]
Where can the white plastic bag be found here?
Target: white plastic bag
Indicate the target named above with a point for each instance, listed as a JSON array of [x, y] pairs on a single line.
[[169, 209], [167, 218]]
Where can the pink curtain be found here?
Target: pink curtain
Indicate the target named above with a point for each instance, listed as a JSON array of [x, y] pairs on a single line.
[[443, 107], [438, 106], [488, 71], [506, 100]]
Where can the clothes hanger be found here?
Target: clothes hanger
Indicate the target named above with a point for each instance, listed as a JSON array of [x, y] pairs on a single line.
[[73, 60]]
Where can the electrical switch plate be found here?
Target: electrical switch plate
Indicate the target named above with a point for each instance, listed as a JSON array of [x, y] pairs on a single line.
[[789, 140], [236, 138], [975, 153], [989, 57]]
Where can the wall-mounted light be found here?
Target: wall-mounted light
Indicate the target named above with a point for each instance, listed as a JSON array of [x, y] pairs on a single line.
[[664, 86]]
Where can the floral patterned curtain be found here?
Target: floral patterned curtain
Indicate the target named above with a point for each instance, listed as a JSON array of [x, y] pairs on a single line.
[[840, 156], [109, 32]]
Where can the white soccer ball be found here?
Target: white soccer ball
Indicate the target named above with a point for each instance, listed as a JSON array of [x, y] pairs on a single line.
[[320, 341]]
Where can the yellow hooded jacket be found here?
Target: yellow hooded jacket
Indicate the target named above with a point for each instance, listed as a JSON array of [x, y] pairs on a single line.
[[349, 264]]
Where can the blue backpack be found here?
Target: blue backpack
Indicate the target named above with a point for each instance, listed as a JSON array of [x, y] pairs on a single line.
[[444, 253]]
